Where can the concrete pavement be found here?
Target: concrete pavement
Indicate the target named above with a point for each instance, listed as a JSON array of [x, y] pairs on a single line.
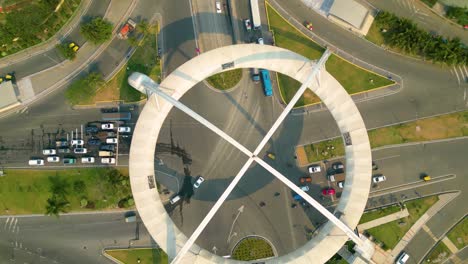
[[383, 220]]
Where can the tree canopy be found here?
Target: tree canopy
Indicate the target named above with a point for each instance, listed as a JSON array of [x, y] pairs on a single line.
[[403, 34], [97, 31]]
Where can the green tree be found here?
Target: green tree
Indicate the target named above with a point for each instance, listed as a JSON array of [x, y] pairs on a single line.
[[82, 91], [56, 205], [133, 41], [58, 186], [79, 186], [143, 27], [66, 51], [97, 31]]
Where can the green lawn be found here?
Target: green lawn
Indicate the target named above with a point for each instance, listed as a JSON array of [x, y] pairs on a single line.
[[252, 248], [439, 127], [145, 255], [27, 191], [354, 79], [391, 233], [439, 254], [336, 259], [459, 234], [225, 80], [369, 216]]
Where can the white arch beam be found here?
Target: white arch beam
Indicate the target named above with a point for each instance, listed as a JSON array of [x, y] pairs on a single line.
[[340, 104]]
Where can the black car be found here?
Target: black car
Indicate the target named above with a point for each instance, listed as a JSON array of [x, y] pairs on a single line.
[[107, 147], [94, 141], [91, 129], [63, 150]]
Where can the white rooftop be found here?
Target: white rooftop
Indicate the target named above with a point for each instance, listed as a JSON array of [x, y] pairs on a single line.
[[350, 12]]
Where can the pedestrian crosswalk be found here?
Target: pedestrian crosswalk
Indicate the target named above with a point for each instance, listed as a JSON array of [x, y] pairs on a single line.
[[421, 14], [461, 73], [11, 225]]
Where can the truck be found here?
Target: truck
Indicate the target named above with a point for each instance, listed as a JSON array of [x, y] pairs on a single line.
[[126, 116], [257, 24], [129, 26], [267, 89], [103, 153], [255, 75]]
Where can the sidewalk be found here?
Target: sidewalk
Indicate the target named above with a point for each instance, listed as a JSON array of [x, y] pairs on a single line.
[[443, 200], [50, 43], [384, 220]]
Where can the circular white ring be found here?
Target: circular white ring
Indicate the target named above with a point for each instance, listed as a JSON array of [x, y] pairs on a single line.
[[350, 123]]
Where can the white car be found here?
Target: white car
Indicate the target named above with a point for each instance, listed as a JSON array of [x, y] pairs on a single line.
[[198, 182], [305, 188], [107, 126], [379, 178], [331, 177], [403, 258], [53, 159], [124, 129], [248, 24], [49, 151], [341, 184], [260, 41], [108, 160], [314, 169], [87, 160], [112, 140], [80, 150], [218, 7], [36, 162], [77, 142]]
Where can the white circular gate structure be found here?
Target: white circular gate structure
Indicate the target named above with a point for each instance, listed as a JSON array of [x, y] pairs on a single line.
[[312, 75]]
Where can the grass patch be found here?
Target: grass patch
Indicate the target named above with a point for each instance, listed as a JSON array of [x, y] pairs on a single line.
[[27, 191], [145, 255], [389, 234], [459, 234], [145, 59], [438, 255], [336, 259], [376, 214], [225, 80], [434, 128], [33, 22], [351, 77], [429, 3], [252, 248]]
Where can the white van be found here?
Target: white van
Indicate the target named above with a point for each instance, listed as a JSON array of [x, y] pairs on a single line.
[[403, 258], [175, 199]]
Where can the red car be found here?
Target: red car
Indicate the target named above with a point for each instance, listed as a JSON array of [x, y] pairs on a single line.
[[305, 179], [309, 26], [328, 191], [465, 26]]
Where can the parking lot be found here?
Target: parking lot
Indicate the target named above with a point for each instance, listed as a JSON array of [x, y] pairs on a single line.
[[72, 141]]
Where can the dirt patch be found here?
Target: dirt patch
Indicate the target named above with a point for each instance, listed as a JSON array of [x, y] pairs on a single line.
[[301, 156]]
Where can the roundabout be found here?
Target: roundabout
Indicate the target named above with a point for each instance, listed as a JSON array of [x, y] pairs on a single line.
[[312, 75]]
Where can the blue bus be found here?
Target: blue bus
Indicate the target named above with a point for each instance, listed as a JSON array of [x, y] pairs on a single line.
[[267, 89]]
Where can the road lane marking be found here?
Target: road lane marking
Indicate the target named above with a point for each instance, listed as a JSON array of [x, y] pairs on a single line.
[[6, 222], [411, 185], [456, 73], [389, 157], [463, 74]]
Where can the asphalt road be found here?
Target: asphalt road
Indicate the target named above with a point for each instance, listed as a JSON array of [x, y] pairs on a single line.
[[51, 57], [405, 164], [68, 239]]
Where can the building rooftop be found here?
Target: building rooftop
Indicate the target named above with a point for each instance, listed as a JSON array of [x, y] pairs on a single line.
[[350, 12]]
